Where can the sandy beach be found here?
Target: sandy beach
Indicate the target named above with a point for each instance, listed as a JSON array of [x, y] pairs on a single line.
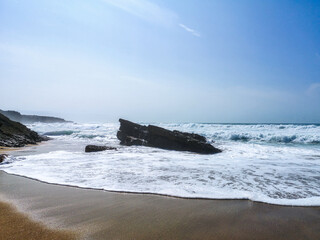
[[15, 225], [159, 119], [96, 214]]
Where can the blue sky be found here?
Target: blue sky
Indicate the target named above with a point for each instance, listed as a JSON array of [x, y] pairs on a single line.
[[198, 61]]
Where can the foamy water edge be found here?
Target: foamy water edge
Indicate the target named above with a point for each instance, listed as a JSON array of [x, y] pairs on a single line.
[[276, 173]]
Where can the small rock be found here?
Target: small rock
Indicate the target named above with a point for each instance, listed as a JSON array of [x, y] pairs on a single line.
[[95, 148], [3, 157]]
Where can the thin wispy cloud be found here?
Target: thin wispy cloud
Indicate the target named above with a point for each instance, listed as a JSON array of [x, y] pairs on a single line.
[[146, 10], [190, 30], [151, 12], [313, 89]]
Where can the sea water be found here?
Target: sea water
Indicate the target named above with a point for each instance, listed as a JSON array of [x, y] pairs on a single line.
[[271, 163]]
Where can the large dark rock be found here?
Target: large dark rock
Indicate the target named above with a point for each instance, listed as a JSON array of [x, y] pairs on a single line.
[[152, 136], [95, 148], [3, 157], [27, 119], [14, 134]]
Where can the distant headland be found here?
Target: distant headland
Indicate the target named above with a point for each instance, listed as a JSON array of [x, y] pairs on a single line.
[[27, 119]]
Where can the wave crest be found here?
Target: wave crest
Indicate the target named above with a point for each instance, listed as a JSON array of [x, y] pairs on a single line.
[[60, 133]]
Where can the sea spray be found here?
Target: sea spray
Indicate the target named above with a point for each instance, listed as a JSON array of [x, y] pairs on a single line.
[[272, 163]]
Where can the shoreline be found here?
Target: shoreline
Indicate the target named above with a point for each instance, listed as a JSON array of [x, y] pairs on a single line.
[[95, 214], [4, 150], [160, 194], [8, 150], [45, 147]]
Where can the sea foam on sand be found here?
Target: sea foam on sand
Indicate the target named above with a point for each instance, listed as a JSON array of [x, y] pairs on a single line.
[[277, 164]]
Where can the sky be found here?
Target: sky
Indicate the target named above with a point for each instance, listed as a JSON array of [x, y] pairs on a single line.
[[162, 60]]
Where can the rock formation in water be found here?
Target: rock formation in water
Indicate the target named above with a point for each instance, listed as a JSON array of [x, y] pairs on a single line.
[[3, 157], [14, 134], [152, 136], [27, 119], [95, 148]]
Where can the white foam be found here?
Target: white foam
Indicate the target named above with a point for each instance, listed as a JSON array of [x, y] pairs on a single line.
[[286, 174]]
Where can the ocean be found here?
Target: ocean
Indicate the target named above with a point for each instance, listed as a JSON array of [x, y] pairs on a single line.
[[270, 163]]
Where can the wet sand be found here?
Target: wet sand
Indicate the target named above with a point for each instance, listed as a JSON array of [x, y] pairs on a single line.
[[6, 150], [15, 225], [96, 214]]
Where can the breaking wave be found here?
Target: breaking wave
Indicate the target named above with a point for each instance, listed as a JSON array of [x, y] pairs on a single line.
[[272, 163], [59, 133], [260, 133]]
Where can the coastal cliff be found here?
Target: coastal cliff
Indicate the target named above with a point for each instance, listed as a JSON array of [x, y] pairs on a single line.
[[27, 119], [15, 134]]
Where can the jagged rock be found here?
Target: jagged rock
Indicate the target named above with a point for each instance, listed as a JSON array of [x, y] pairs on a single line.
[[27, 119], [95, 148], [3, 157], [152, 136], [14, 134]]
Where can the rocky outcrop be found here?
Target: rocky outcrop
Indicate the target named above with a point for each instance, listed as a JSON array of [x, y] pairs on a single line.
[[95, 148], [152, 136], [3, 157], [27, 119], [14, 134]]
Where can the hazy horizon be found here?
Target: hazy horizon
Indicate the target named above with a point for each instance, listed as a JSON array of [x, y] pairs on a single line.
[[161, 60]]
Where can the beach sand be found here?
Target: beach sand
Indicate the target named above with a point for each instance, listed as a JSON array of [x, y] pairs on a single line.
[[97, 214], [6, 150], [14, 225]]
